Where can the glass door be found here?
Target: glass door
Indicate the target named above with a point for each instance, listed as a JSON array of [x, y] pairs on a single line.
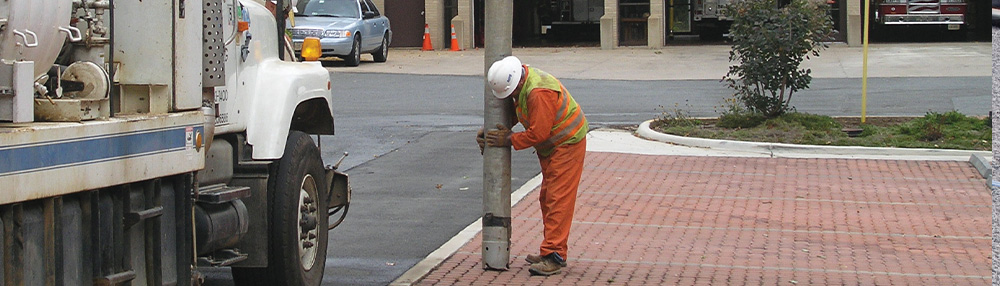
[[680, 16]]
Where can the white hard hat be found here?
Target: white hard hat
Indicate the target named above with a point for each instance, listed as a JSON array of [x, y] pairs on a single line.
[[504, 75]]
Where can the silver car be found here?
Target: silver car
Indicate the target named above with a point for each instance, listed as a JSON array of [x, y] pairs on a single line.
[[346, 28]]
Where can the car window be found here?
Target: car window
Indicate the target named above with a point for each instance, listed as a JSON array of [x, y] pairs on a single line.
[[364, 7], [330, 8], [372, 7]]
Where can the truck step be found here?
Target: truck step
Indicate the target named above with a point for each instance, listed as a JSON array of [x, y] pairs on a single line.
[[133, 218], [220, 258], [115, 279], [217, 194]]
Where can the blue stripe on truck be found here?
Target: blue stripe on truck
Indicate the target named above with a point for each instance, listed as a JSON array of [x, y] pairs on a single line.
[[89, 150]]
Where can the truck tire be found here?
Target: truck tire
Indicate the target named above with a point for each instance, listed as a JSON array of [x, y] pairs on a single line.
[[354, 58], [298, 230]]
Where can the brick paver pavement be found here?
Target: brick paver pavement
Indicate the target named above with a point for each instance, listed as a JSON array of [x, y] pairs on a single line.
[[677, 220]]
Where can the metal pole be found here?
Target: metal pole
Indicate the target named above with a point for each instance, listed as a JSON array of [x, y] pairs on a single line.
[[496, 161], [864, 65], [994, 185]]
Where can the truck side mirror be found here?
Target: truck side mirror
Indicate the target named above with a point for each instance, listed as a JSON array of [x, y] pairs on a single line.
[[369, 14]]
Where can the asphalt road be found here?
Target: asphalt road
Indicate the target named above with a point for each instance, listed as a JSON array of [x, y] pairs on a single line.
[[378, 113], [416, 171]]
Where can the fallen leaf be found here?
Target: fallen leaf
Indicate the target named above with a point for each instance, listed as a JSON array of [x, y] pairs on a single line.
[[439, 186]]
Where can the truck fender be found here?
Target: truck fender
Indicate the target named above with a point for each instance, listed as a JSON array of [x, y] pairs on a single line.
[[288, 95]]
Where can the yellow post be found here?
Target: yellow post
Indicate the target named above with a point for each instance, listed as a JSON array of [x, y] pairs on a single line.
[[864, 65], [671, 18]]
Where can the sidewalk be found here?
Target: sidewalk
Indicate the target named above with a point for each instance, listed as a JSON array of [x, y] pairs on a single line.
[[650, 213], [697, 62]]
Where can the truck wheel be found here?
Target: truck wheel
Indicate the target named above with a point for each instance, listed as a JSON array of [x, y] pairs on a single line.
[[298, 231], [354, 58], [382, 53]]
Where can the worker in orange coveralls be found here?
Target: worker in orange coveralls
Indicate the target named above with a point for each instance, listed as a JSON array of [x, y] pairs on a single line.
[[555, 125]]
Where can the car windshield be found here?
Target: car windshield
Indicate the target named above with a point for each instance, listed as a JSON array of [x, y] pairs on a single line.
[[329, 8]]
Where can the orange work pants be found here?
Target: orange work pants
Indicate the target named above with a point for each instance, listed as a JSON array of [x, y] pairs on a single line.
[[561, 173]]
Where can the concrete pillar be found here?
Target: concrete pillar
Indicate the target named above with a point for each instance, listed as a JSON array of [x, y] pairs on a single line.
[[464, 24], [461, 28], [499, 22], [854, 22], [434, 16], [656, 24], [609, 25]]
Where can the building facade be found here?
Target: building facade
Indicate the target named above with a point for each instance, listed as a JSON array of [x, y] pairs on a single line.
[[605, 23]]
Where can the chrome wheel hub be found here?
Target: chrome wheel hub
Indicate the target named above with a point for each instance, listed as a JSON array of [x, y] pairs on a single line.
[[308, 222]]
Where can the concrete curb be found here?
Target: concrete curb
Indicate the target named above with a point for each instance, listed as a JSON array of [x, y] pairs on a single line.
[[435, 258], [983, 165], [813, 151]]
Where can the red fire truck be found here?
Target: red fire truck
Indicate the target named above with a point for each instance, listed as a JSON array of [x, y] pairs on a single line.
[[921, 12]]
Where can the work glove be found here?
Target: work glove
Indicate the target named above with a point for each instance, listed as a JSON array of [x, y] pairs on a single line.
[[499, 137], [481, 139]]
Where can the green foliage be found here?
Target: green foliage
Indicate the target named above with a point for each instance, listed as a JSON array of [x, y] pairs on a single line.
[[811, 122], [950, 130], [942, 128], [675, 117], [769, 43], [740, 119], [736, 116]]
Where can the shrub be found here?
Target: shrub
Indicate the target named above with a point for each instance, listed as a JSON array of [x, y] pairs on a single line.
[[769, 43], [742, 119], [946, 126], [811, 121], [675, 117]]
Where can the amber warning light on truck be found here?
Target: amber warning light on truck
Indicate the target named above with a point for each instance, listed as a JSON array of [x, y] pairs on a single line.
[[311, 49]]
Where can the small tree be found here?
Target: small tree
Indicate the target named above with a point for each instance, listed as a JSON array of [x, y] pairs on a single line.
[[769, 43]]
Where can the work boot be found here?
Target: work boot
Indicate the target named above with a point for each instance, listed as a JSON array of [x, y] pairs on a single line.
[[534, 258], [550, 265]]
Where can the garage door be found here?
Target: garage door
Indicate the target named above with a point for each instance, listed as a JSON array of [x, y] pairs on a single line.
[[407, 19]]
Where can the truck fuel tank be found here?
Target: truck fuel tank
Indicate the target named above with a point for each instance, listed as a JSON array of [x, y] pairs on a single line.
[[35, 31]]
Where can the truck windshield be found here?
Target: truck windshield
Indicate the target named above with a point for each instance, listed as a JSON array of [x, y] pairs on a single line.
[[329, 8]]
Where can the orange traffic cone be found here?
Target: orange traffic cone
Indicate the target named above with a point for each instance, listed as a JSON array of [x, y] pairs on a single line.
[[454, 40], [427, 39]]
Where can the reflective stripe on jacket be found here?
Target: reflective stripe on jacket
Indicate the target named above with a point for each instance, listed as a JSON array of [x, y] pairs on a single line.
[[570, 125]]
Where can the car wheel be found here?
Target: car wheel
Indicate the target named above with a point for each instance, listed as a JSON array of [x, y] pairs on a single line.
[[298, 231], [354, 58], [382, 53]]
